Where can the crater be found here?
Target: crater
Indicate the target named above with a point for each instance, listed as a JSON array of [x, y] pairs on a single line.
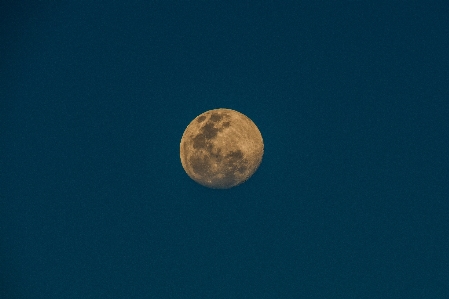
[[236, 162], [228, 180], [200, 165], [242, 168], [215, 117], [201, 118], [234, 156], [217, 155]]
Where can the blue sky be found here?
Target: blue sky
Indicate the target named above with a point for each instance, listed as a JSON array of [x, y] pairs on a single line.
[[350, 200]]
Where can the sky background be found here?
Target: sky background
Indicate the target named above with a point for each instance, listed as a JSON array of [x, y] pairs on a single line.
[[350, 200]]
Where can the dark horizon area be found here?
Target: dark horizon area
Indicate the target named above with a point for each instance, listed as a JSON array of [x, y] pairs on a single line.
[[351, 197]]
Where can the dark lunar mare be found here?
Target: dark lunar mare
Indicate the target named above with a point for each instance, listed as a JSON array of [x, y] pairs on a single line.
[[201, 118]]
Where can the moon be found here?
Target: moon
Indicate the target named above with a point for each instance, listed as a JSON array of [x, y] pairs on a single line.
[[221, 148]]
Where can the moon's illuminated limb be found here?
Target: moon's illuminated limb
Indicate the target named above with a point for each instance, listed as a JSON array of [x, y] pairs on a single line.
[[221, 148]]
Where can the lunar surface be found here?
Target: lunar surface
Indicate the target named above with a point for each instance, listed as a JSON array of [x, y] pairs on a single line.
[[221, 148]]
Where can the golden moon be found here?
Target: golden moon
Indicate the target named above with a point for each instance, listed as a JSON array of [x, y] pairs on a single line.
[[221, 148]]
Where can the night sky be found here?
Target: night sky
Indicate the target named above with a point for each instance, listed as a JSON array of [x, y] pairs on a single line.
[[351, 199]]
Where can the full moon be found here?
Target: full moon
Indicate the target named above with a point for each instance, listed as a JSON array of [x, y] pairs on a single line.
[[221, 148]]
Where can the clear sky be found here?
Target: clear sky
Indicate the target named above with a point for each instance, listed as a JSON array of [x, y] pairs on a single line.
[[350, 200]]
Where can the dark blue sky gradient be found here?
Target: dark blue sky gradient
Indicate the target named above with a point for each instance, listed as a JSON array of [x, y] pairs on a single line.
[[351, 198]]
